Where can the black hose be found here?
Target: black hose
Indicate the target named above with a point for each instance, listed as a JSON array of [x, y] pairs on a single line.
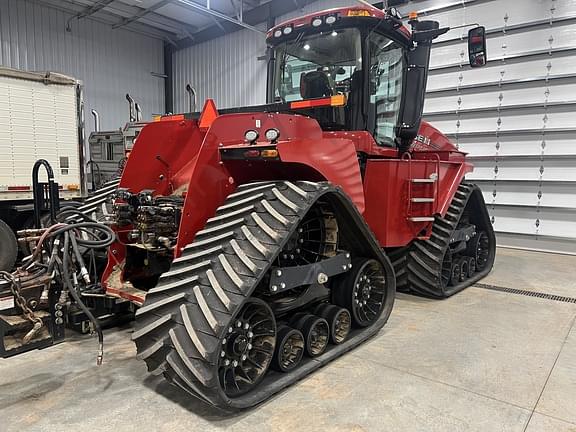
[[91, 229], [71, 287]]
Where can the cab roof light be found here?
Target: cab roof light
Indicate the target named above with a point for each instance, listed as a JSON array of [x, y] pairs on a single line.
[[330, 19]]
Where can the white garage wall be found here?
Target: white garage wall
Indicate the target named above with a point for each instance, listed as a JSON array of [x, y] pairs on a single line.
[[110, 62], [516, 116]]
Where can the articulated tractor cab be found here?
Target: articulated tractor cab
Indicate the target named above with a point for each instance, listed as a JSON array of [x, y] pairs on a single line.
[[263, 242]]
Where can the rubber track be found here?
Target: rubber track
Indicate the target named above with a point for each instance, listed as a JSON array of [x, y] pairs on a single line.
[[92, 207], [423, 263], [184, 317]]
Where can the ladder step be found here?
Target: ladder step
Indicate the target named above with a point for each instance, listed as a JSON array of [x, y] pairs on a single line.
[[422, 219], [422, 200], [424, 180]]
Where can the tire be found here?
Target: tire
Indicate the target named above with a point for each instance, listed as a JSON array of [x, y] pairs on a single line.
[[9, 248]]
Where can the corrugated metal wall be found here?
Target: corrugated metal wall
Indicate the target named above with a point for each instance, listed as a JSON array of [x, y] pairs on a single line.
[[516, 116], [110, 62], [225, 69]]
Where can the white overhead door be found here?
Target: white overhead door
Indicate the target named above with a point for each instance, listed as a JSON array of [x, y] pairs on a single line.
[[516, 116]]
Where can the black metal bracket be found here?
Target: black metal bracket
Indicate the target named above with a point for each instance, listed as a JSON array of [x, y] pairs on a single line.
[[463, 234], [286, 278]]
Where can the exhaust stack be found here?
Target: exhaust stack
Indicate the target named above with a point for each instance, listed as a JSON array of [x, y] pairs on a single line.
[[96, 120], [131, 104], [138, 112], [192, 97]]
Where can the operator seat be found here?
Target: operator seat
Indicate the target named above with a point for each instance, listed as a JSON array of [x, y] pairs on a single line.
[[315, 84]]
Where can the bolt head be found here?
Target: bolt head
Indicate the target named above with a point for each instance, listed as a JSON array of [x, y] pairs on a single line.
[[350, 265], [274, 288], [282, 285], [230, 329], [223, 354], [235, 363], [244, 357], [250, 335], [246, 326], [224, 341], [347, 255], [238, 323], [249, 346], [226, 362], [344, 267], [278, 272]]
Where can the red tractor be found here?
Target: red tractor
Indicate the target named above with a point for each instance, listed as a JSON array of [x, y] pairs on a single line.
[[263, 242]]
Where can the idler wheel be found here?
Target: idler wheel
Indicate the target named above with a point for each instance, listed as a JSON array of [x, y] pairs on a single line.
[[338, 319], [289, 349]]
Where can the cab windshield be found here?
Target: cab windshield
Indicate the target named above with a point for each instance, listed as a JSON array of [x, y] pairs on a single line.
[[318, 65]]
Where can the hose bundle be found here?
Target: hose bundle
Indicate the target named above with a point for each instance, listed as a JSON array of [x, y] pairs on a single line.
[[61, 253]]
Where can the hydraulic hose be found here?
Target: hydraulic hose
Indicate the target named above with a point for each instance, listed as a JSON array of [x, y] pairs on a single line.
[[58, 253], [72, 289]]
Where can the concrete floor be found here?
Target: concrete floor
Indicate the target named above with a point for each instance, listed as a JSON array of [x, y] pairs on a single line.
[[481, 361]]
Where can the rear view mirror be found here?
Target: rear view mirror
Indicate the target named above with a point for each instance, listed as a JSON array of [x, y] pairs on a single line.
[[477, 46]]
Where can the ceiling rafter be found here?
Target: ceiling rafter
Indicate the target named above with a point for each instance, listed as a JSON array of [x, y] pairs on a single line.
[[142, 13], [214, 13], [102, 17], [257, 15]]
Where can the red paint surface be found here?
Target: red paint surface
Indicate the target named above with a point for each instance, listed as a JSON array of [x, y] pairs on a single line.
[[176, 157], [306, 20]]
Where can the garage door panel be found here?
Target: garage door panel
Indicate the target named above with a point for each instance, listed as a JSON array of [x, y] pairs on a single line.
[[531, 93], [560, 223], [509, 120], [512, 69], [531, 144], [510, 220], [510, 169]]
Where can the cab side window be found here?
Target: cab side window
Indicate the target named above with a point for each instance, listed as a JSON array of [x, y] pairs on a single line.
[[386, 73]]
